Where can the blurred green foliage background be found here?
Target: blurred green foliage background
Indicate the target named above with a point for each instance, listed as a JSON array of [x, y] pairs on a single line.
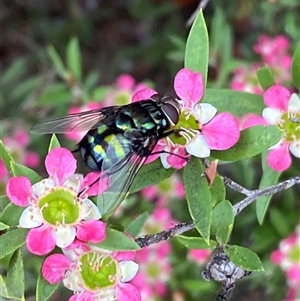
[[147, 40]]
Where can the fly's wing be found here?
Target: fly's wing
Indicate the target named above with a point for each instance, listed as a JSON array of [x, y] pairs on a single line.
[[121, 176], [79, 122]]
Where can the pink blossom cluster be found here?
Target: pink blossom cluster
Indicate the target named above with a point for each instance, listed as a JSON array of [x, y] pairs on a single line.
[[287, 256], [275, 53]]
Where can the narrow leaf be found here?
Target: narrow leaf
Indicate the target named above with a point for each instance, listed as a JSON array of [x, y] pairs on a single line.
[[12, 240], [222, 221], [235, 102], [116, 240], [253, 141], [136, 226], [3, 226], [5, 155], [54, 143], [11, 215], [269, 178], [296, 68], [196, 52], [22, 170], [44, 289], [57, 61], [265, 77], [15, 280], [150, 174], [74, 58], [244, 258], [198, 196], [195, 242], [217, 190]]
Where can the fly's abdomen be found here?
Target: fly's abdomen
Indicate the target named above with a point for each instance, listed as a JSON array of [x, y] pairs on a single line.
[[103, 149]]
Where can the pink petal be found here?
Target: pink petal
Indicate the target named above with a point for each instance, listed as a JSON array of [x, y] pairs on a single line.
[[60, 164], [91, 231], [189, 85], [124, 255], [127, 292], [40, 241], [222, 132], [250, 120], [279, 158], [95, 185], [175, 161], [18, 190], [277, 97], [125, 81], [54, 268], [277, 256], [293, 273], [143, 94], [32, 159]]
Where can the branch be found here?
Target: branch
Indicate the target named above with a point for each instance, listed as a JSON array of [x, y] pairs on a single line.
[[252, 195]]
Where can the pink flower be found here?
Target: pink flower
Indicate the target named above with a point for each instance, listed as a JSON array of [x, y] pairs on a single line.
[[200, 129], [199, 255], [93, 274], [282, 107], [57, 208], [153, 278], [288, 258]]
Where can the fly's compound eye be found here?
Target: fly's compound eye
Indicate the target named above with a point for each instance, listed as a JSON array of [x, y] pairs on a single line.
[[171, 112]]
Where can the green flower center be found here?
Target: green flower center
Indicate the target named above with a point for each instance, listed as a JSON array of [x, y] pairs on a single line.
[[60, 206], [294, 254], [154, 270], [98, 270], [290, 128], [186, 128]]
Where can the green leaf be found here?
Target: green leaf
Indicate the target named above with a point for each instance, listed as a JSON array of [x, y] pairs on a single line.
[[22, 170], [195, 242], [136, 226], [54, 143], [196, 52], [11, 215], [74, 58], [198, 196], [116, 240], [15, 71], [55, 94], [269, 178], [5, 155], [150, 174], [295, 70], [4, 201], [57, 61], [222, 221], [265, 77], [44, 289], [100, 92], [278, 219], [217, 190], [12, 240], [235, 102], [12, 286], [3, 226], [252, 142], [244, 258]]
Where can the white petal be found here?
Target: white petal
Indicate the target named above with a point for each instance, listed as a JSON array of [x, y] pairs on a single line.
[[164, 156], [128, 270], [208, 112], [198, 147], [74, 182], [64, 235], [89, 211], [294, 103], [30, 218], [272, 115], [295, 148], [277, 145], [43, 187], [72, 281]]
